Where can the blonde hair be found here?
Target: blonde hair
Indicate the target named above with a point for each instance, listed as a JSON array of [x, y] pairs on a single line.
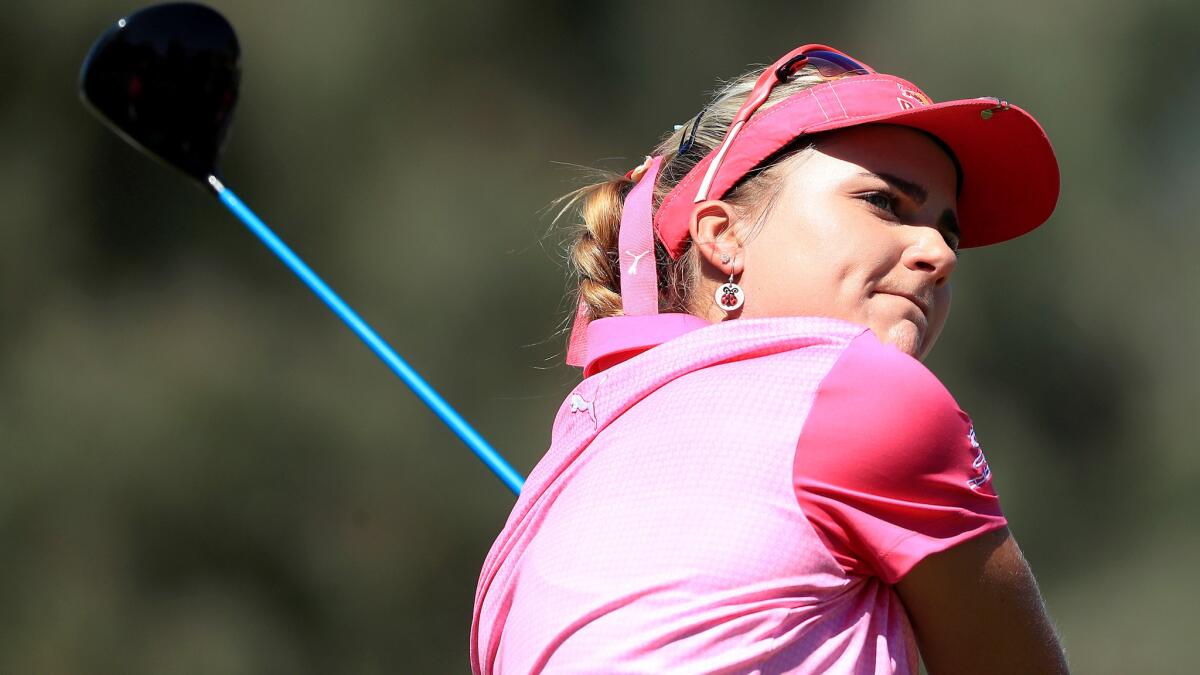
[[594, 258]]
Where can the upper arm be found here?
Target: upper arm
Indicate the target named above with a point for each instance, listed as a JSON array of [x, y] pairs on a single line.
[[891, 476], [976, 609], [887, 467]]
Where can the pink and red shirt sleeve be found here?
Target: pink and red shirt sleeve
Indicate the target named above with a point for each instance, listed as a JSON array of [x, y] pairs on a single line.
[[887, 468]]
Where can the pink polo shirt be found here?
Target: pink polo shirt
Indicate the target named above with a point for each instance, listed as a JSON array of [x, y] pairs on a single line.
[[738, 499]]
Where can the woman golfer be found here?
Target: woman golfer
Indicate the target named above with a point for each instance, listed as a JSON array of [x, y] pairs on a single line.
[[757, 475]]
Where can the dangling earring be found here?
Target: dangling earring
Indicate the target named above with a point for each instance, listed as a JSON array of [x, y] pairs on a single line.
[[729, 296]]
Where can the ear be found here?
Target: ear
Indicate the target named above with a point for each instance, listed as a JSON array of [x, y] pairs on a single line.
[[717, 240]]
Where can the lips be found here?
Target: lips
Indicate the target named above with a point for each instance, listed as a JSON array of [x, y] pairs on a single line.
[[921, 304]]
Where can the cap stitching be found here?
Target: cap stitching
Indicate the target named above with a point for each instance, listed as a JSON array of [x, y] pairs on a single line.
[[833, 89], [814, 97]]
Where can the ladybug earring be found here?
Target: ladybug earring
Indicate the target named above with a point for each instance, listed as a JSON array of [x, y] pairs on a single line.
[[729, 296]]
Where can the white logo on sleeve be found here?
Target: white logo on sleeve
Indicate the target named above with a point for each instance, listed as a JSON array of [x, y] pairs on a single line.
[[983, 472]]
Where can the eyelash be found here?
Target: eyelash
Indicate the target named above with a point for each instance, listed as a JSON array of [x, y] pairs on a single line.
[[892, 201], [952, 242]]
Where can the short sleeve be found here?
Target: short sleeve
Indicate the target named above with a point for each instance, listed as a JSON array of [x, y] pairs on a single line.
[[887, 467]]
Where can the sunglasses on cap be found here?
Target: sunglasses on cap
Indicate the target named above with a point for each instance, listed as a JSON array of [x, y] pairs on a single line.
[[828, 62]]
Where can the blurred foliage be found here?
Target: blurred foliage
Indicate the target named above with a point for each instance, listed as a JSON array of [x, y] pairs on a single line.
[[203, 472]]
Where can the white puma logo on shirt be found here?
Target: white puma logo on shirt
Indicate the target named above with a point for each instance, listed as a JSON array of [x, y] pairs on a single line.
[[581, 404]]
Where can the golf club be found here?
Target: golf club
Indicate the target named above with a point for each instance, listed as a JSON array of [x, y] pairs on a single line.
[[165, 79]]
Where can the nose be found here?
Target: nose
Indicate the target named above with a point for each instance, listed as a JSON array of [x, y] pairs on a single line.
[[929, 254]]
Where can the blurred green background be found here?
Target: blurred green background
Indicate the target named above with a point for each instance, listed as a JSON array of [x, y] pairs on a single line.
[[204, 472]]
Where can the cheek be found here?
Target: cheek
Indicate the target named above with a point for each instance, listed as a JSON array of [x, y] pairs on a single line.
[[853, 246], [785, 271], [813, 257], [941, 312], [782, 246], [943, 297]]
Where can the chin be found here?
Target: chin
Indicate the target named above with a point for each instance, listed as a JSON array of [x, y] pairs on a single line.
[[906, 337]]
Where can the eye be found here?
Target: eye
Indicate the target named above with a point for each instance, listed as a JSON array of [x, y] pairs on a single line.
[[951, 241], [883, 201]]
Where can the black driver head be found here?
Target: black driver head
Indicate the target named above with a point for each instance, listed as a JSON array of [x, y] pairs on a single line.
[[166, 79]]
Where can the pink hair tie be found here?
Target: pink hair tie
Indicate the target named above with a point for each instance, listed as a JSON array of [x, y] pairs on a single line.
[[639, 269]]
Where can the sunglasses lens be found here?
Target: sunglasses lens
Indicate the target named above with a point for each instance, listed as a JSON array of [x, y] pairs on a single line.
[[832, 64]]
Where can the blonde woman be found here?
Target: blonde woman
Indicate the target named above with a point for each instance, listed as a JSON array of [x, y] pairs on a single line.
[[757, 474]]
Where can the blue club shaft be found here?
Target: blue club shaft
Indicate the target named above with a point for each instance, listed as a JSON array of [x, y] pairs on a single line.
[[431, 398]]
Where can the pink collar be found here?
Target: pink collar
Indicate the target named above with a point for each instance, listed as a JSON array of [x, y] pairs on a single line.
[[618, 338]]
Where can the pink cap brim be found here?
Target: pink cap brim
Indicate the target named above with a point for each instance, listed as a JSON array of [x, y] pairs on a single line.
[[1010, 179]]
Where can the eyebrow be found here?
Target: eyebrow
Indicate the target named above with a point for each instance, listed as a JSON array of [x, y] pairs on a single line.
[[947, 222], [911, 190]]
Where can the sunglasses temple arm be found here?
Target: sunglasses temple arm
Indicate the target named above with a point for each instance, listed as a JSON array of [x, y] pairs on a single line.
[[415, 382], [711, 173], [758, 95]]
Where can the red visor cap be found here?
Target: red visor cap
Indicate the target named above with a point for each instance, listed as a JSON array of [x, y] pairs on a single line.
[[1010, 176]]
